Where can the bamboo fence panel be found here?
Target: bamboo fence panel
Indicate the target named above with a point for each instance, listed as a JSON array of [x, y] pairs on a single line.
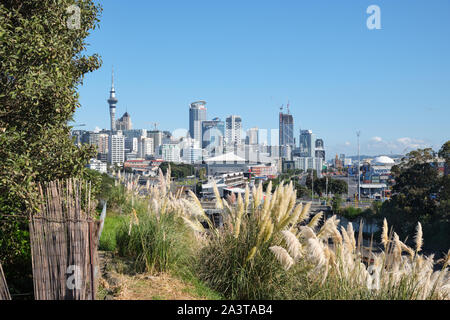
[[63, 243], [4, 292]]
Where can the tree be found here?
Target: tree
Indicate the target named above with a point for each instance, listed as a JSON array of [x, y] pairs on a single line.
[[42, 64], [338, 186], [336, 203], [420, 194]]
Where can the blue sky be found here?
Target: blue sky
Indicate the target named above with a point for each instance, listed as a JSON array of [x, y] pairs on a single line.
[[249, 57]]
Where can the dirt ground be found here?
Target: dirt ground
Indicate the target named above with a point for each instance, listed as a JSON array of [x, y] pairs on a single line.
[[117, 283], [150, 287]]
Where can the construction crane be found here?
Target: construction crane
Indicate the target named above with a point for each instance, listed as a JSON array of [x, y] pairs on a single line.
[[288, 107], [153, 124]]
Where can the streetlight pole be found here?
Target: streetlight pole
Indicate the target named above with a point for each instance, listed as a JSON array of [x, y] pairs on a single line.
[[358, 133]]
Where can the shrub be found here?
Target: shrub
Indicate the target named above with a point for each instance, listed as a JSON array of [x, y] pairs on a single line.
[[159, 231], [238, 260]]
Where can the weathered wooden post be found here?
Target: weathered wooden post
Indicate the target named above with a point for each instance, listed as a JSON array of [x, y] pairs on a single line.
[[4, 292]]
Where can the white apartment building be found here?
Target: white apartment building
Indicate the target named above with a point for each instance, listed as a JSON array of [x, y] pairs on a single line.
[[145, 147], [170, 153], [116, 148], [100, 140], [97, 165], [233, 130]]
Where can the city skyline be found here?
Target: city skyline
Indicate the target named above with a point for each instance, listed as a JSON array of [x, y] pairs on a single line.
[[393, 93]]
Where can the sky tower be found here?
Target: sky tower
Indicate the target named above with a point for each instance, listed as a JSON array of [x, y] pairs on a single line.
[[112, 101]]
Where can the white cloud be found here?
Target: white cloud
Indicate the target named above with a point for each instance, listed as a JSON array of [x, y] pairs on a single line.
[[400, 145], [411, 143], [376, 139], [347, 143], [97, 129]]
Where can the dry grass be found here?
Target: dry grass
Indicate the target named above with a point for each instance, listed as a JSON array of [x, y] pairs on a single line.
[[155, 287]]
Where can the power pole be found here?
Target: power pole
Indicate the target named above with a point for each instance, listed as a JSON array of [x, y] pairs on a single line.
[[358, 133], [312, 185]]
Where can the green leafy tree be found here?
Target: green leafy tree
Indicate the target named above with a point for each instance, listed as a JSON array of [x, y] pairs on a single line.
[[339, 187], [42, 64], [421, 194], [336, 203]]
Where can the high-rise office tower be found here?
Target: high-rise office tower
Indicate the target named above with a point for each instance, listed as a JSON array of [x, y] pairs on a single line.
[[124, 123], [252, 136], [112, 101], [233, 130], [213, 132], [157, 137], [320, 149], [307, 143], [197, 114], [286, 128]]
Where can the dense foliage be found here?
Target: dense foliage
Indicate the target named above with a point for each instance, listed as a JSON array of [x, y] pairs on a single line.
[[41, 65], [421, 194]]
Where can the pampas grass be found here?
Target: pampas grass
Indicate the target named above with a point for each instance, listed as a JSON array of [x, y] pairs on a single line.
[[268, 249], [282, 256]]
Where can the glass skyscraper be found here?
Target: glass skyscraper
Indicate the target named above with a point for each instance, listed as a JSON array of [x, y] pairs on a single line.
[[286, 136], [197, 114], [213, 132], [307, 143]]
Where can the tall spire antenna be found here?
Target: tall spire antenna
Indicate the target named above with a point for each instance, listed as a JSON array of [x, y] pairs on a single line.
[[112, 79], [112, 101]]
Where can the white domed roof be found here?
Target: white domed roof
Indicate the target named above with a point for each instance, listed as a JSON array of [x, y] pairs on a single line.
[[383, 160]]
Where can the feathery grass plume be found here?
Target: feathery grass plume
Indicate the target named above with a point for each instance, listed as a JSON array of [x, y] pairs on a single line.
[[384, 234], [410, 251], [275, 197], [246, 197], [265, 211], [398, 246], [328, 228], [307, 233], [347, 242], [194, 225], [262, 230], [316, 252], [292, 197], [269, 232], [419, 237], [305, 212], [293, 245], [282, 256], [285, 199], [315, 220], [294, 217], [239, 213], [351, 235], [251, 254], [445, 260], [258, 196], [219, 202]]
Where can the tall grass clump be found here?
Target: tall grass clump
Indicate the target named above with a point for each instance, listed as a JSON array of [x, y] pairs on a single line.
[[269, 249], [240, 260], [159, 233]]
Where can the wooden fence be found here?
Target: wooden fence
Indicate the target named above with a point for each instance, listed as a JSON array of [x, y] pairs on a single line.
[[64, 239], [4, 292]]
